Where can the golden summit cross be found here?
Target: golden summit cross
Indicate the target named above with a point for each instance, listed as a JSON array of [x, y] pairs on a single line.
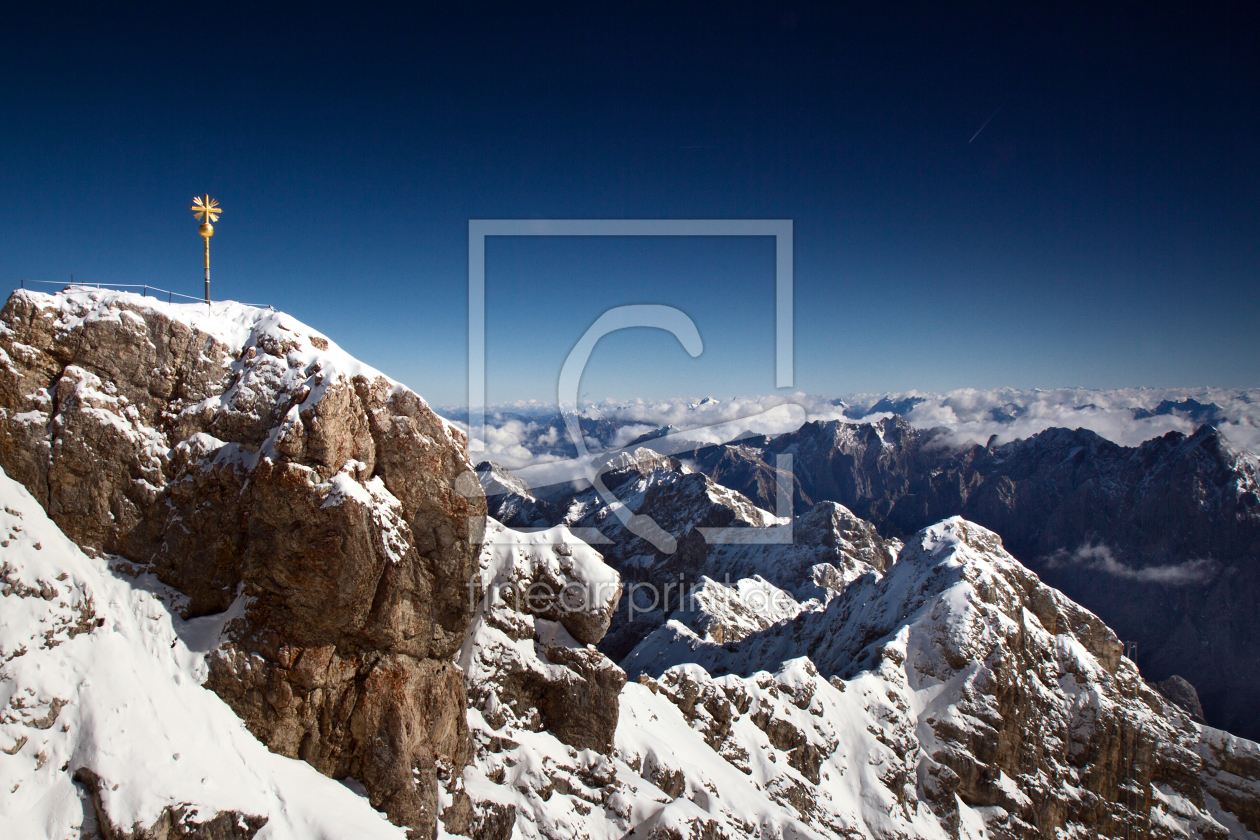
[[206, 210]]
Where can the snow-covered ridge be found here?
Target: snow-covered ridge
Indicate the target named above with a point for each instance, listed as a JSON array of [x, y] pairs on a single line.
[[988, 700], [244, 331], [236, 325]]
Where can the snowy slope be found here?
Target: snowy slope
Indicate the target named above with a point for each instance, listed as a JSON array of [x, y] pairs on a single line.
[[659, 777], [98, 674], [980, 693]]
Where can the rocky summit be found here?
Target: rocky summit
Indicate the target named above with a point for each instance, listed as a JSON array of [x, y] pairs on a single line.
[[246, 462], [250, 589]]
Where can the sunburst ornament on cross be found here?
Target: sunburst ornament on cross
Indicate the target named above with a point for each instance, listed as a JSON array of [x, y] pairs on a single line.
[[206, 210]]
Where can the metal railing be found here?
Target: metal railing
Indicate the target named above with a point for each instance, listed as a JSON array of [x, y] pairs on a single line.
[[144, 287]]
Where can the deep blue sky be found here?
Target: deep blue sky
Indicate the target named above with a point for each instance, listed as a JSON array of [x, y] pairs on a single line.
[[1102, 231]]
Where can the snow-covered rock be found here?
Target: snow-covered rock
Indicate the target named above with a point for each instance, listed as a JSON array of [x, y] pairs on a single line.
[[105, 728], [563, 750], [987, 698], [228, 449], [509, 499], [812, 557], [956, 696], [726, 613], [1169, 527], [529, 657]]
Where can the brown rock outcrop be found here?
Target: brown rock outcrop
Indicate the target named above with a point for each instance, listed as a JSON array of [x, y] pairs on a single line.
[[235, 454], [530, 656], [1179, 690]]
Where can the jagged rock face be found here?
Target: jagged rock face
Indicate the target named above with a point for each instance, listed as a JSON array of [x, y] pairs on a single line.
[[680, 502], [829, 549], [106, 731], [727, 612], [1231, 774], [747, 470], [1162, 540], [546, 600], [509, 500], [747, 587], [987, 694], [824, 550], [1172, 498], [869, 468], [678, 499], [242, 454]]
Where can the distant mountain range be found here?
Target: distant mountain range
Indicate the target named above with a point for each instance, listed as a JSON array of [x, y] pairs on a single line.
[[521, 437], [1162, 540]]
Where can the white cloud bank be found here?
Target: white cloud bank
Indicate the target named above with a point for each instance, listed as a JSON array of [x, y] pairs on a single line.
[[974, 415], [521, 437]]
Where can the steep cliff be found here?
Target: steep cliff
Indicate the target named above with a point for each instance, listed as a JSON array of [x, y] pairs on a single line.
[[105, 730], [251, 465]]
